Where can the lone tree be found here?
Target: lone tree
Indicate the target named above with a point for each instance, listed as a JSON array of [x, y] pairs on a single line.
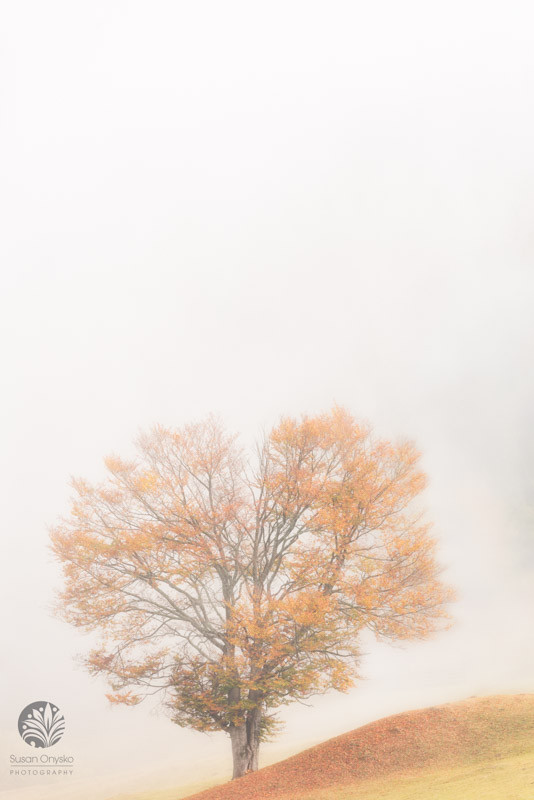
[[236, 585]]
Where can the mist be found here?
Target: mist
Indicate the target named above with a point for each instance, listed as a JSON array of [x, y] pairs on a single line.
[[255, 211]]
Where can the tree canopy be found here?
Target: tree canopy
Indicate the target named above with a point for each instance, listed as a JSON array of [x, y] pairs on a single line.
[[236, 582]]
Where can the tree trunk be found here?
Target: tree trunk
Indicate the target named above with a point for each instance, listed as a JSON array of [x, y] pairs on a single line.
[[246, 744]]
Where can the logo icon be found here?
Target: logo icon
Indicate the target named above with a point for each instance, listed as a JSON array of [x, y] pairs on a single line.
[[41, 724]]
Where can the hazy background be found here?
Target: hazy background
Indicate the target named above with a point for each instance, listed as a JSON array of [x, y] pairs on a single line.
[[255, 209]]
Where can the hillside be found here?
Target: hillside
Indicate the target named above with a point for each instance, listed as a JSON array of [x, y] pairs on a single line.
[[471, 743]]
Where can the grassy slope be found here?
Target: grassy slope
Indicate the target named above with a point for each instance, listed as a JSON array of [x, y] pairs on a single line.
[[499, 779], [477, 749]]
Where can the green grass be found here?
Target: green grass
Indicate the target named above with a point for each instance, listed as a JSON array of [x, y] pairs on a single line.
[[500, 779], [478, 749]]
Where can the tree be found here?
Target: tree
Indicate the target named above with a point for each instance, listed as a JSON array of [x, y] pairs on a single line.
[[236, 585]]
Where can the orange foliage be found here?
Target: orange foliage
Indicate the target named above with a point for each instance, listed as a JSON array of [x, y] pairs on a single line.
[[233, 586]]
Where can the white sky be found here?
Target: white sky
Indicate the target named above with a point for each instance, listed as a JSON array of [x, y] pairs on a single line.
[[257, 209]]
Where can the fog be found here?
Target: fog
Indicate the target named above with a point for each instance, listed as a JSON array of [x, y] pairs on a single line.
[[254, 210]]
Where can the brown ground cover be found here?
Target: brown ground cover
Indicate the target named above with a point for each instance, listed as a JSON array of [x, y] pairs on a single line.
[[456, 733]]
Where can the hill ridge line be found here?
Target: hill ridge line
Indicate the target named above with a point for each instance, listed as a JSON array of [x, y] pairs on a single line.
[[457, 732]]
